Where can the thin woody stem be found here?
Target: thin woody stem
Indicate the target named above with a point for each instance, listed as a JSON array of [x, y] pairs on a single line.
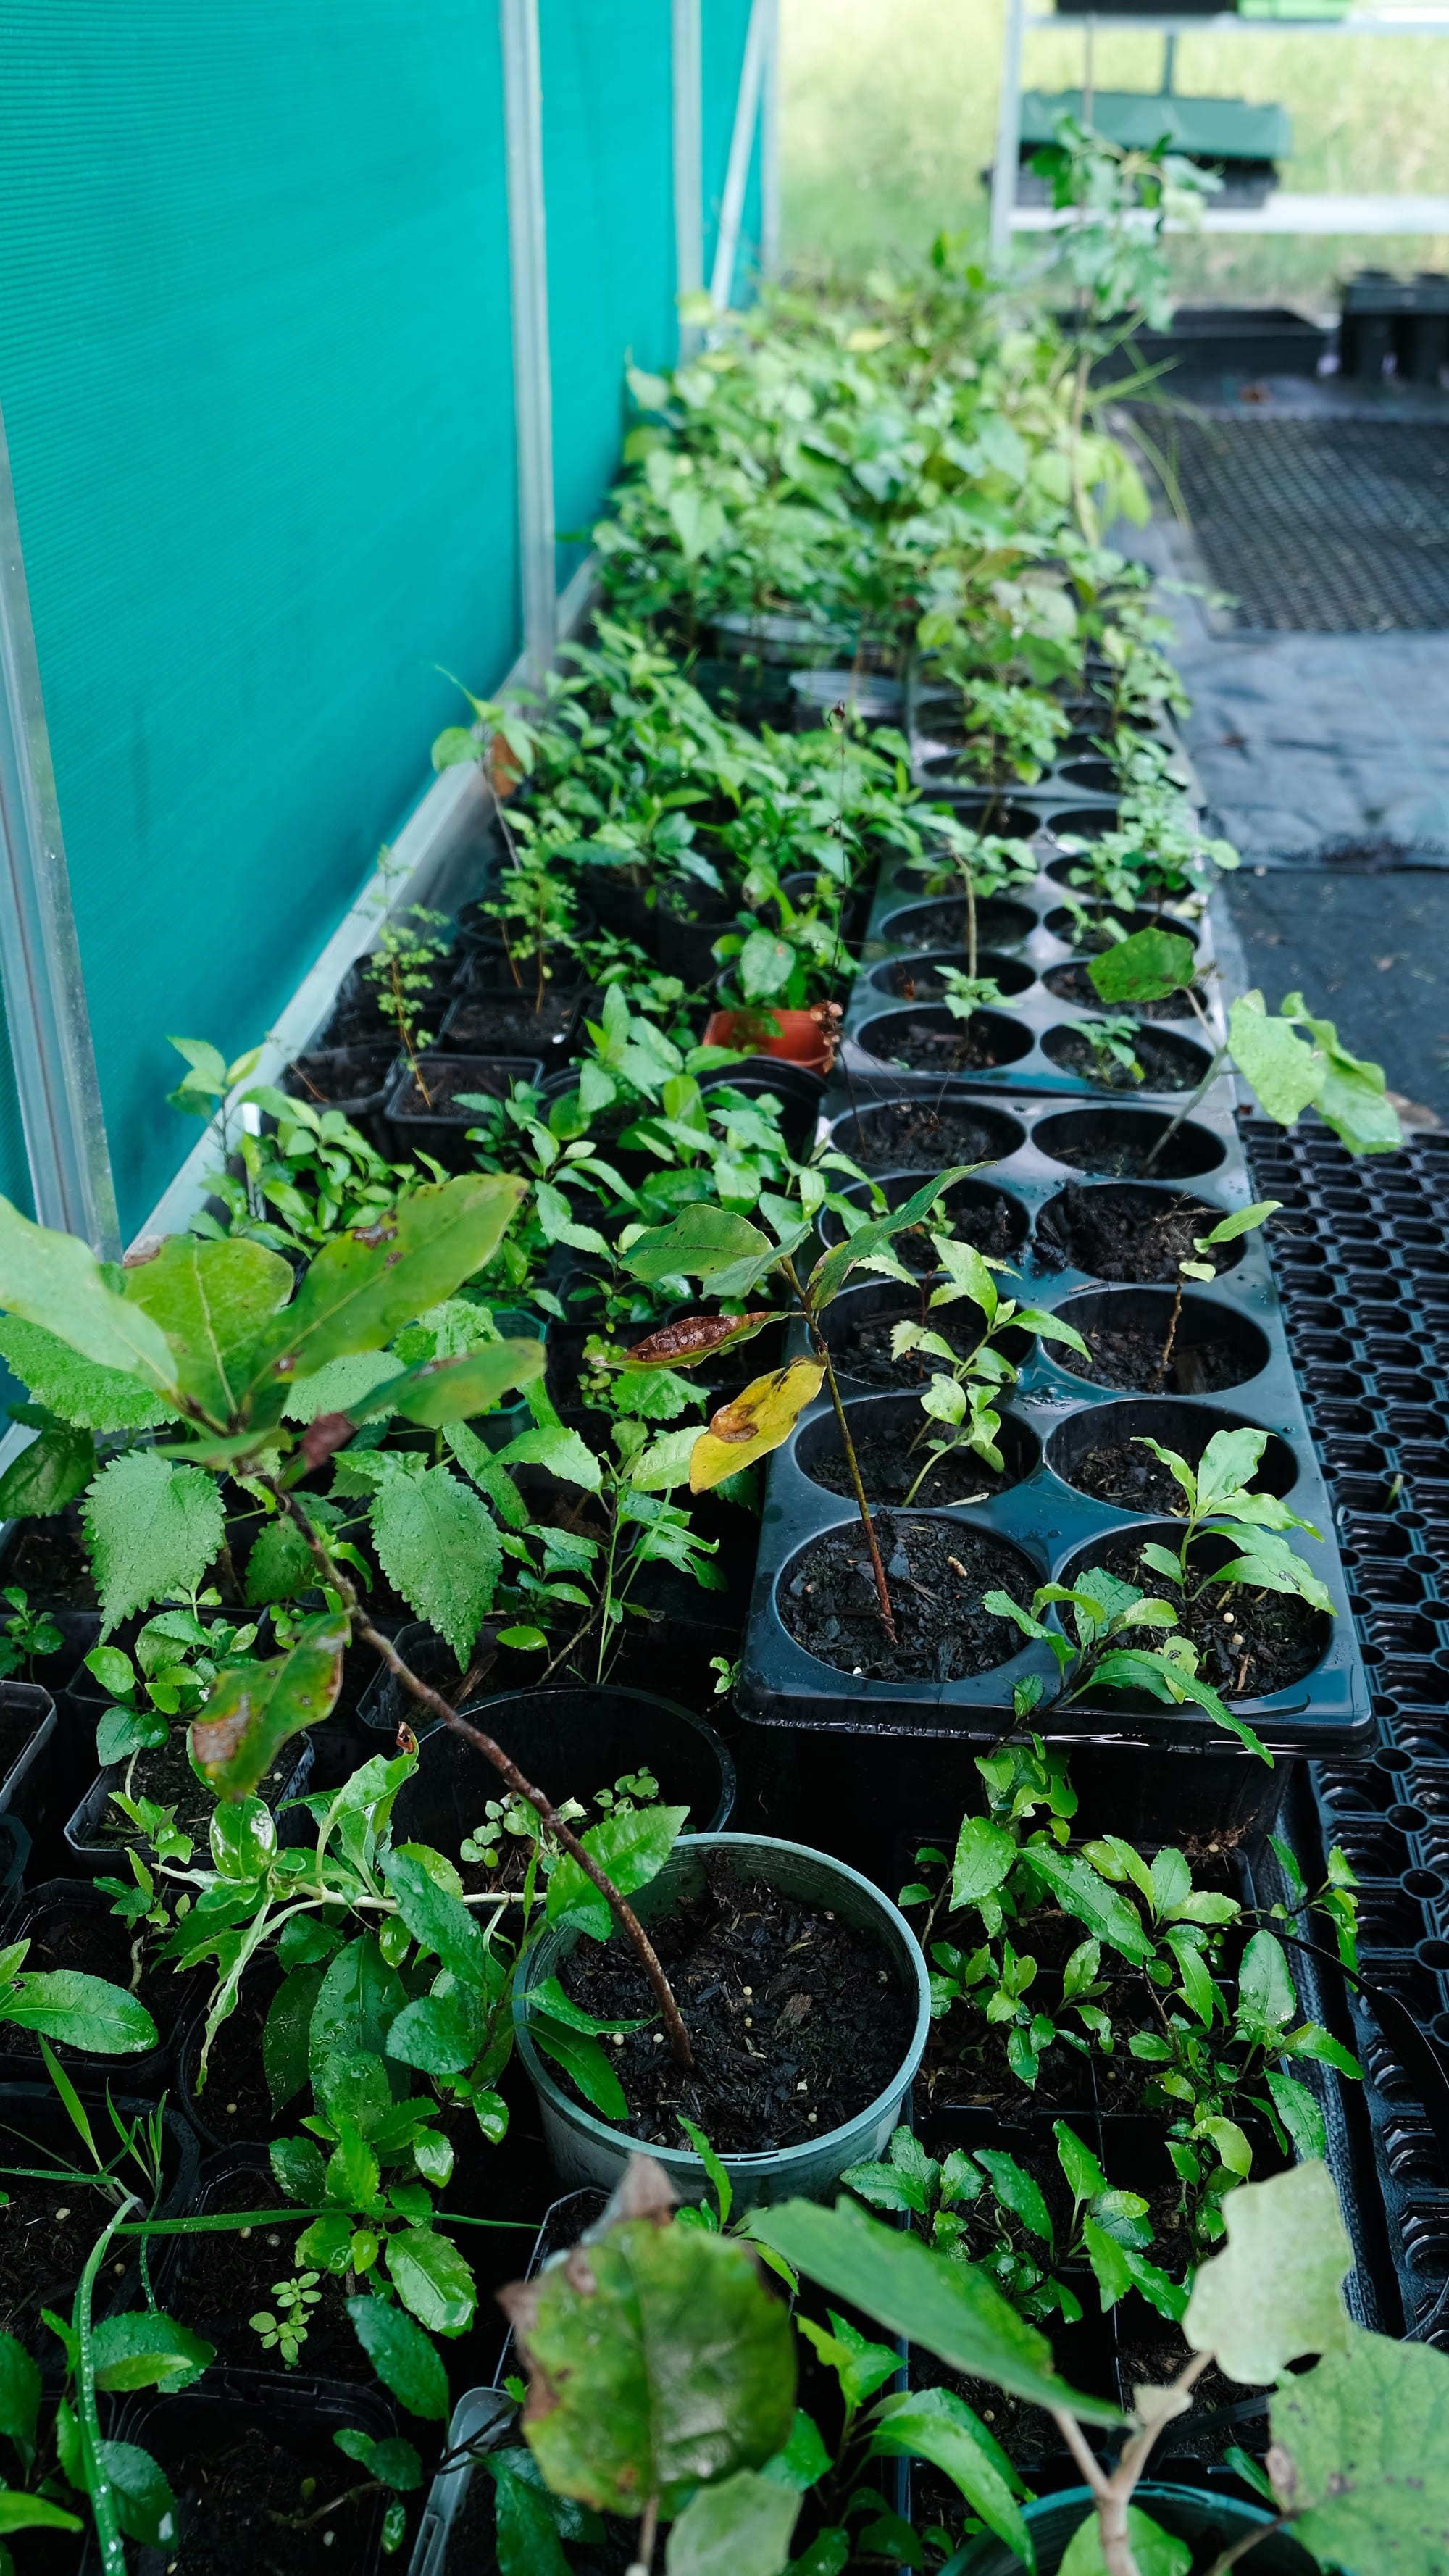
[[1162, 1364], [887, 1612], [543, 1806], [1190, 1104]]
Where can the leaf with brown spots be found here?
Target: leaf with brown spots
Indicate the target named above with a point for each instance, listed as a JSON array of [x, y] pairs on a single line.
[[692, 1339], [757, 1422], [256, 1707]]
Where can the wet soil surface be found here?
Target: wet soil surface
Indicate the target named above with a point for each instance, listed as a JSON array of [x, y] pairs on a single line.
[[913, 980], [1138, 1235], [444, 1082], [1164, 1067], [1124, 1473], [791, 2012], [50, 1565], [889, 1468], [862, 1350], [1072, 983], [341, 1073], [98, 1945], [937, 1573], [239, 2500], [42, 2253], [220, 2282], [948, 925], [167, 1777], [990, 1229], [1114, 1158], [1249, 1643], [1130, 1358], [507, 1024], [931, 1135], [963, 1046], [234, 2101]]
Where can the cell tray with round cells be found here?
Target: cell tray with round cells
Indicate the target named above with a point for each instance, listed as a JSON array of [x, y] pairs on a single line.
[[1064, 1174], [901, 1030], [1367, 1311]]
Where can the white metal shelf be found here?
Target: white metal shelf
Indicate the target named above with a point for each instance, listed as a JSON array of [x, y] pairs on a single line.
[[1283, 213]]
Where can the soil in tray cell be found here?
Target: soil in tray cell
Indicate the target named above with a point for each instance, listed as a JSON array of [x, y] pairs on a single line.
[[935, 1041], [1126, 1337], [49, 1564], [1117, 1144], [222, 2281], [931, 1135], [938, 1573], [948, 924], [1073, 983], [166, 1775], [1164, 1063], [860, 1337], [1118, 1232], [795, 2017], [973, 1212], [234, 2101], [1249, 1643], [444, 1082], [507, 1023], [890, 1467], [245, 2501], [919, 979], [1104, 1452]]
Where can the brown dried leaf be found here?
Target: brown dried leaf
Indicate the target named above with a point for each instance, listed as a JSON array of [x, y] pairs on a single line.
[[693, 1338]]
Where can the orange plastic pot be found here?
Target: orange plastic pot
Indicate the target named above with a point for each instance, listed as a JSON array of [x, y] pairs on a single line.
[[799, 1037]]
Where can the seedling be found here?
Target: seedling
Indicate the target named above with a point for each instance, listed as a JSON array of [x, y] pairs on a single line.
[[1111, 1045], [1227, 1230], [402, 971], [1220, 1502], [1107, 1651], [961, 1396], [286, 2332], [981, 864]]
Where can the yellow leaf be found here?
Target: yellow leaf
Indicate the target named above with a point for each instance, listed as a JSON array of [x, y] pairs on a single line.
[[755, 1423]]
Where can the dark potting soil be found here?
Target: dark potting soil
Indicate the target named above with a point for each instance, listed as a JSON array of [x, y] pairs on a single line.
[[51, 1567], [16, 1729], [166, 1775], [988, 1228], [1109, 1158], [240, 2502], [42, 2252], [937, 1573], [1072, 983], [948, 925], [1249, 1643], [234, 2101], [508, 1024], [889, 1468], [341, 1073], [1130, 1358], [795, 2018], [1164, 1068], [1138, 1235], [924, 1135], [98, 1945], [444, 1081], [967, 1046], [862, 1349], [1124, 1473], [221, 2281], [1152, 2359]]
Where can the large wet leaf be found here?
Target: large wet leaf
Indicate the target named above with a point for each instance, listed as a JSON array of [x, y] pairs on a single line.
[[211, 1299], [55, 1280]]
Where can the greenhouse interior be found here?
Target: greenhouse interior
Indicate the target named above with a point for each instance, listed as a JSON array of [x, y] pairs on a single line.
[[724, 1481]]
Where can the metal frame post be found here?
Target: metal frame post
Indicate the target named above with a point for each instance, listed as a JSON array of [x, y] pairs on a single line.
[[742, 138], [687, 62], [45, 1002], [1008, 135], [770, 148], [532, 376]]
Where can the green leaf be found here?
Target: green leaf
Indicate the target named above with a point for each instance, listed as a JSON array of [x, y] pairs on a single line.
[[1155, 2551], [699, 1244], [402, 2356], [327, 2243], [453, 1388], [211, 1298], [55, 1280], [1285, 1071], [833, 1268], [1273, 2293], [49, 1473], [984, 1859], [1266, 2000], [285, 2032], [19, 2396], [243, 1839], [34, 2513], [666, 2362], [436, 1919], [630, 1849], [804, 2460], [432, 2278], [298, 2169], [584, 2060], [740, 2527], [565, 1453], [1080, 1891], [152, 1528], [935, 2424], [1360, 2456], [435, 2034], [342, 1386], [393, 2463], [1299, 2113], [437, 1543], [364, 1286], [280, 1565], [141, 2348], [360, 1999], [1144, 968], [145, 2505], [256, 1708], [524, 2526], [1016, 2191], [80, 2011], [952, 2308], [1085, 2177], [860, 2365]]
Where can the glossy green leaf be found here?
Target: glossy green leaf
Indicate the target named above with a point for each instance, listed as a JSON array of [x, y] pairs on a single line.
[[1145, 967], [56, 1281], [453, 1389], [436, 2034], [20, 2512], [739, 2527], [983, 1861], [243, 1838], [77, 1389], [19, 2396], [327, 2244], [432, 2278], [949, 2307], [212, 1298], [582, 2059], [402, 2356], [256, 1708], [394, 2463], [49, 1472], [438, 1544], [144, 2502], [1016, 2191], [360, 1999], [661, 2362], [1360, 2456], [935, 2424], [630, 1848], [1299, 2113], [141, 2348], [702, 1241], [804, 2461], [436, 1919], [299, 2169], [1156, 2552], [833, 1268], [81, 2012], [1081, 1891], [1273, 2293], [280, 1565], [152, 1529]]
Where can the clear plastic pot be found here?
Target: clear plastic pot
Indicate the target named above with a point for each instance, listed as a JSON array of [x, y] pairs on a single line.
[[586, 2149]]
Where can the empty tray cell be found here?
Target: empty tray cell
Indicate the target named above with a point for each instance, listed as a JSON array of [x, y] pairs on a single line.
[[1430, 1789], [1378, 1534], [1389, 1583], [1388, 1919], [1412, 2155]]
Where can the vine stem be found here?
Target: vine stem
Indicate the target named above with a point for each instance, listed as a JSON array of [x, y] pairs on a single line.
[[542, 1805]]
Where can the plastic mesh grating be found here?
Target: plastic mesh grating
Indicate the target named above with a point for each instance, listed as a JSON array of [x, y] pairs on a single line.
[[1323, 527]]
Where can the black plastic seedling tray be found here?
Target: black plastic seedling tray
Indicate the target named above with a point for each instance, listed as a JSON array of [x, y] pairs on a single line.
[[1046, 1521], [1027, 939]]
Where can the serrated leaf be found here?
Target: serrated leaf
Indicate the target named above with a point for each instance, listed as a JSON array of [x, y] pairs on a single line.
[[438, 1546], [141, 2348], [436, 1919], [145, 2505], [280, 1565], [298, 2169], [435, 2034], [754, 1423], [1079, 1889], [152, 1529], [49, 1473], [402, 2357], [256, 1708], [1273, 2293], [983, 1861]]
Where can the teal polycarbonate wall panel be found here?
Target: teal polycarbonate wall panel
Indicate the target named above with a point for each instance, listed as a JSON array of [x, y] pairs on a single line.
[[608, 178], [255, 367], [14, 1168], [724, 27]]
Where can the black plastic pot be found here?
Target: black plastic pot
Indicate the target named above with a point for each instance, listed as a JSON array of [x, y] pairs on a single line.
[[494, 1014], [354, 1079], [568, 1743], [14, 1856], [386, 1702], [887, 1134], [688, 921], [291, 2413], [28, 1715], [1045, 1520], [929, 1039], [356, 1019], [96, 1857], [918, 978], [36, 2130], [440, 1129], [51, 1909]]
